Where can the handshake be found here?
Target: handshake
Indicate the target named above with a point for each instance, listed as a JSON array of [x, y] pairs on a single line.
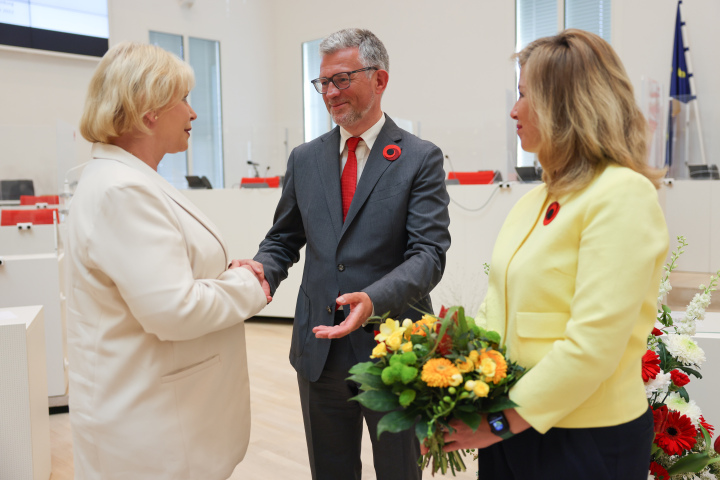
[[256, 268]]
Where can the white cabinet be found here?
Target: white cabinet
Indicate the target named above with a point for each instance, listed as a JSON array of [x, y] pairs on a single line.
[[24, 420]]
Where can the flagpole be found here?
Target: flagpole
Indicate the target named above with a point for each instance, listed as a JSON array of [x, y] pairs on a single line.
[[691, 79]]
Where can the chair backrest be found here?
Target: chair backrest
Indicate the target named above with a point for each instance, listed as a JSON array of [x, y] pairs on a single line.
[[272, 182], [473, 178], [34, 200], [42, 216], [12, 189]]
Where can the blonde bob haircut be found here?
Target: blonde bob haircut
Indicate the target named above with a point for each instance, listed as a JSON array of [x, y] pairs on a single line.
[[585, 110], [132, 80]]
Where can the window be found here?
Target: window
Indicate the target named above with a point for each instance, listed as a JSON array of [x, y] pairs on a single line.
[[316, 119], [207, 143], [205, 156], [540, 18]]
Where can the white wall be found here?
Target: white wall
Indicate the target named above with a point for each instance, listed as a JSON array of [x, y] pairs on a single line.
[[450, 73]]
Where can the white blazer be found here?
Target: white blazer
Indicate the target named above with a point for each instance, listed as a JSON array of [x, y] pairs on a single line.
[[156, 341]]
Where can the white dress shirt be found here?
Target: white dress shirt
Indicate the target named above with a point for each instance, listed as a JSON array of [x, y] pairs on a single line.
[[363, 148]]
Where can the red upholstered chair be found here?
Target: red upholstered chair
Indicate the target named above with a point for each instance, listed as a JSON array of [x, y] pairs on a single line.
[[473, 178], [33, 200], [42, 216], [272, 182]]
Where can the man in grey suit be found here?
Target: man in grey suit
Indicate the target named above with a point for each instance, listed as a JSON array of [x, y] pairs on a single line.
[[375, 239]]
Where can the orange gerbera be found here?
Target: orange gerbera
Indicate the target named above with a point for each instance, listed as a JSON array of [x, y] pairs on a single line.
[[500, 364], [438, 372]]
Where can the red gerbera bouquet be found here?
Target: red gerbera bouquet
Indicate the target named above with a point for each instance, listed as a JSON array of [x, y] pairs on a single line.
[[682, 436]]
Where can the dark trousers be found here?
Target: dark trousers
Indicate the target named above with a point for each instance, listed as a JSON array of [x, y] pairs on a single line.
[[334, 426], [620, 452]]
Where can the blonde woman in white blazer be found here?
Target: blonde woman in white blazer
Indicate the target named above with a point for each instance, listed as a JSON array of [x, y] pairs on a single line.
[[158, 373]]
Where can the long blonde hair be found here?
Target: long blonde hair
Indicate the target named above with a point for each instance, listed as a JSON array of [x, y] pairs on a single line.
[[586, 111], [131, 80]]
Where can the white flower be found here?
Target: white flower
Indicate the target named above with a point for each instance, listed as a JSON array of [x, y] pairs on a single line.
[[665, 288], [684, 349], [660, 383], [690, 409], [706, 475]]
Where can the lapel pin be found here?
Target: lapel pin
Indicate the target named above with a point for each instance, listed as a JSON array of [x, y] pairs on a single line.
[[551, 213], [391, 152]]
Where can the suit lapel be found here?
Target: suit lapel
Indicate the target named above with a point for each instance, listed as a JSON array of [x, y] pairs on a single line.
[[116, 153], [374, 168], [327, 158]]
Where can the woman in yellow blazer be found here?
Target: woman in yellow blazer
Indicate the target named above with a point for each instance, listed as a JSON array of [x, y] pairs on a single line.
[[574, 275], [158, 371]]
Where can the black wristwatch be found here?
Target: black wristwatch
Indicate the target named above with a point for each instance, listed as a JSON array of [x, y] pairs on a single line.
[[499, 425]]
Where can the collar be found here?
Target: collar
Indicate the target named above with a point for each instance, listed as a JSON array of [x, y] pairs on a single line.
[[369, 136]]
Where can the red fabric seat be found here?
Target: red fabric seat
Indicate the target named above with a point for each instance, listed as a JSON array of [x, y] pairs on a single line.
[[43, 216], [473, 178], [272, 182], [34, 200]]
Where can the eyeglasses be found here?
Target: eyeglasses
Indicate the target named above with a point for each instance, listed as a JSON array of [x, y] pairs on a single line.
[[340, 80]]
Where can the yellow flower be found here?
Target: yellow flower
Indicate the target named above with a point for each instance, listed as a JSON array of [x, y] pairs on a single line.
[[438, 372], [379, 350], [388, 328], [395, 339], [408, 326], [481, 389], [470, 385], [487, 367], [407, 347], [426, 320], [456, 380], [496, 371], [468, 365]]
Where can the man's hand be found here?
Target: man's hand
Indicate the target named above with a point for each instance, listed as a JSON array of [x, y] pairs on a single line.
[[361, 308], [256, 268]]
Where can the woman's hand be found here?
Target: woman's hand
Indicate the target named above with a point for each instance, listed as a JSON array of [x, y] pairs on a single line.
[[463, 437], [256, 268]]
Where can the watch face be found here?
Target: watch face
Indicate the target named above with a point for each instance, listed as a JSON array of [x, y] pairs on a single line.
[[497, 424]]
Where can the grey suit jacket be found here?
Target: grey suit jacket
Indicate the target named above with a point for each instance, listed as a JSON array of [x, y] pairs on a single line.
[[391, 246]]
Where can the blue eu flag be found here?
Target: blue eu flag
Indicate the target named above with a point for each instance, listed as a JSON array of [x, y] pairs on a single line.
[[680, 77], [679, 82]]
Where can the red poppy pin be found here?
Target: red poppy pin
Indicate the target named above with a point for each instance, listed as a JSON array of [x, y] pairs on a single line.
[[391, 152], [551, 213]]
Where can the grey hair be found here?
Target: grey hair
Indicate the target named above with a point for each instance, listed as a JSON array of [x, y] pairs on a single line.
[[371, 49]]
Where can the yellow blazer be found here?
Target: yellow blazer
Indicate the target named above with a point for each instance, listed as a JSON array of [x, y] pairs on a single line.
[[576, 298]]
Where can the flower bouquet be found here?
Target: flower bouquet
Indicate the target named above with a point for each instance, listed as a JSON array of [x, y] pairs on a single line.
[[431, 371], [682, 445]]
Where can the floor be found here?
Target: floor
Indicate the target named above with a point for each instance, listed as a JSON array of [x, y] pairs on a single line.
[[277, 440]]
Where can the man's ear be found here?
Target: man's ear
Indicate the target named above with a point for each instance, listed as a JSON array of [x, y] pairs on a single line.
[[381, 81]]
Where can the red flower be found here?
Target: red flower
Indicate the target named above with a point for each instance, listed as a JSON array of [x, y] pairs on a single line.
[[445, 345], [650, 365], [657, 332], [391, 152], [679, 378], [443, 312], [674, 433], [658, 471], [708, 427], [551, 213]]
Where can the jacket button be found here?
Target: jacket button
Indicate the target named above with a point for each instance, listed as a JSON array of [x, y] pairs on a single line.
[[341, 267], [329, 310]]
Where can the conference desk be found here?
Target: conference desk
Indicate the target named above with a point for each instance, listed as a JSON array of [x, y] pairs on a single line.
[[477, 212]]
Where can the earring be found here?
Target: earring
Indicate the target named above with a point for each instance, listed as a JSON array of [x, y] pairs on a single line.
[[155, 117]]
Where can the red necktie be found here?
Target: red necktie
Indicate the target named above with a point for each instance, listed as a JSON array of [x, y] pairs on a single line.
[[348, 180]]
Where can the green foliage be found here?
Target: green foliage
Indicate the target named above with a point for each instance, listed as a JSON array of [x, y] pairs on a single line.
[[378, 400], [407, 396], [397, 421]]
